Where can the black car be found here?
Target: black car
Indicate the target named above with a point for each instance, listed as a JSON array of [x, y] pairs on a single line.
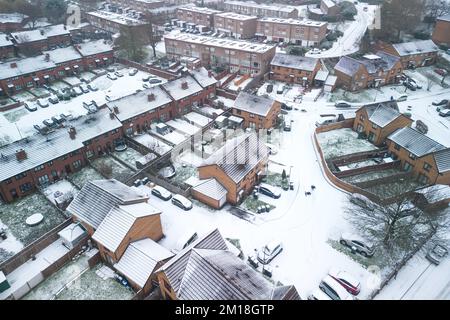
[[269, 191], [284, 106], [154, 81], [440, 103], [342, 104]]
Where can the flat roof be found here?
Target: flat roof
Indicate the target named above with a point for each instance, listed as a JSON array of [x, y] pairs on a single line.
[[193, 8], [117, 18], [236, 16], [274, 7], [308, 23], [223, 43]]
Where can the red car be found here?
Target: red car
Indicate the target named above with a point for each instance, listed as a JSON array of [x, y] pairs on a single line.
[[346, 280], [441, 72]]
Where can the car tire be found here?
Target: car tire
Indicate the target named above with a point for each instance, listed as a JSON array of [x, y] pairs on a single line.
[[363, 253]]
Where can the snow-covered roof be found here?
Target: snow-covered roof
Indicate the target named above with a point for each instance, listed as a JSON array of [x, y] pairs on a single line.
[[331, 80], [56, 30], [235, 16], [347, 65], [321, 75], [435, 193], [219, 42], [140, 102], [5, 41], [94, 47], [294, 62], [61, 55], [262, 6], [382, 114], [12, 17], [328, 3], [415, 47], [41, 149], [239, 156], [140, 260], [211, 188], [118, 222], [96, 199], [290, 21], [118, 18], [383, 60], [197, 118], [203, 77], [415, 142], [444, 18], [24, 66], [253, 104], [442, 159], [72, 232], [193, 8], [174, 88], [29, 36]]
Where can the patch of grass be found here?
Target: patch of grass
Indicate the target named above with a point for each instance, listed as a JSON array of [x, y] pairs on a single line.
[[184, 173], [15, 115], [252, 204], [276, 180], [5, 255], [85, 175], [13, 215], [119, 171]]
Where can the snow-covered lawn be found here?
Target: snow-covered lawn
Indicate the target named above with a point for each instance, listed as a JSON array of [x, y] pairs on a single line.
[[15, 114], [72, 81], [183, 126], [13, 215], [341, 142], [173, 137], [24, 96], [39, 92], [129, 156], [10, 245], [85, 175], [197, 119], [395, 188], [62, 186], [118, 170], [153, 143], [373, 175]]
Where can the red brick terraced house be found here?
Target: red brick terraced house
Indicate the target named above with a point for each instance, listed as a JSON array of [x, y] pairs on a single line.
[[235, 25], [258, 112], [441, 32], [6, 47], [10, 22], [415, 53], [197, 15], [42, 159], [294, 69], [261, 10]]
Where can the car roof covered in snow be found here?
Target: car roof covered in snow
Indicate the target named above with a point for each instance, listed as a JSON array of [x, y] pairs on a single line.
[[41, 149], [140, 260], [294, 62], [253, 103], [211, 188], [415, 142], [415, 47], [239, 156], [96, 199]]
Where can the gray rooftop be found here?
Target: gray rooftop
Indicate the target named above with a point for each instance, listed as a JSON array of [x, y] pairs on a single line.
[[61, 55], [381, 60], [252, 4], [239, 156], [382, 113], [211, 188], [174, 88], [204, 78], [415, 142], [41, 149], [442, 159], [13, 17], [294, 62], [347, 65], [96, 199], [39, 34], [253, 103], [415, 47]]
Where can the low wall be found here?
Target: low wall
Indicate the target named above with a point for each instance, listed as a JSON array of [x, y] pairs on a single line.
[[10, 106], [226, 94], [33, 248], [375, 167], [371, 183], [347, 123], [359, 156], [152, 70]]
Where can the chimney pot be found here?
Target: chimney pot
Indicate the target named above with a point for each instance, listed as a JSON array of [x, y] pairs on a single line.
[[21, 155], [111, 115], [184, 85], [13, 65], [151, 97], [72, 132], [210, 73], [116, 109]]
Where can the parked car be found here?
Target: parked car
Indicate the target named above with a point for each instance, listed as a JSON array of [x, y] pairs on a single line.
[[67, 116], [287, 126], [436, 254], [146, 85], [53, 99], [84, 88], [318, 294], [133, 72], [92, 87], [30, 107], [58, 119], [50, 123], [280, 88], [273, 150], [440, 71], [118, 74], [443, 102], [287, 107], [161, 193], [111, 76], [357, 244], [72, 92], [270, 251], [269, 190], [314, 51], [333, 289], [342, 104], [345, 279], [411, 86], [42, 103], [325, 120], [445, 113], [402, 97], [59, 94], [182, 202], [146, 78], [153, 81], [187, 237], [78, 91]]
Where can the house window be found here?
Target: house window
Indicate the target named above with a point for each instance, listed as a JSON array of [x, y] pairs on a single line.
[[426, 166], [397, 147], [374, 126], [238, 111], [423, 178], [20, 175], [89, 154], [39, 168], [25, 187], [77, 164], [361, 117], [411, 156], [407, 166], [43, 180]]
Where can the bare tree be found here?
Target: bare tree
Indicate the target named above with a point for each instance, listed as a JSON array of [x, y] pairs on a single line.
[[398, 227], [436, 8]]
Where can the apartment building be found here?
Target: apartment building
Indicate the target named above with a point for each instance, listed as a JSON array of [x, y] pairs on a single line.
[[427, 159], [441, 31], [261, 10], [113, 22], [256, 111], [327, 10], [198, 15], [378, 120], [372, 71], [139, 5], [10, 22], [294, 69], [301, 32], [413, 54], [235, 55], [235, 25]]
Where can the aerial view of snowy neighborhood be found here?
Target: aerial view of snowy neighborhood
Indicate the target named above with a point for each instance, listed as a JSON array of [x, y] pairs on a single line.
[[224, 150]]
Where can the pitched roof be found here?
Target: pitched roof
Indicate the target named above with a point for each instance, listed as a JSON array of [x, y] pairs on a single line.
[[444, 18], [347, 65], [415, 142], [61, 55], [203, 78], [383, 113], [13, 17], [435, 193], [211, 188], [140, 260], [118, 222], [174, 88], [96, 199], [372, 63], [239, 156], [294, 62], [253, 103], [286, 293], [415, 47], [442, 159]]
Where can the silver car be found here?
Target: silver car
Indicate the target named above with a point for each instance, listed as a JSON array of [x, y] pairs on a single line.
[[437, 254], [269, 252], [357, 244]]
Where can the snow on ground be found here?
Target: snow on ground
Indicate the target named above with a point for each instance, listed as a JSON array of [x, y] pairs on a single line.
[[117, 170], [233, 87], [197, 119], [153, 143], [10, 245], [173, 137], [80, 178], [62, 186], [183, 126], [129, 156], [226, 101]]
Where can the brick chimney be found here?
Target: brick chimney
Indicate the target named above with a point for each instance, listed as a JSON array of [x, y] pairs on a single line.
[[116, 109], [13, 65], [72, 132], [151, 97], [42, 32], [111, 115], [47, 57], [21, 155], [210, 74], [184, 85]]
